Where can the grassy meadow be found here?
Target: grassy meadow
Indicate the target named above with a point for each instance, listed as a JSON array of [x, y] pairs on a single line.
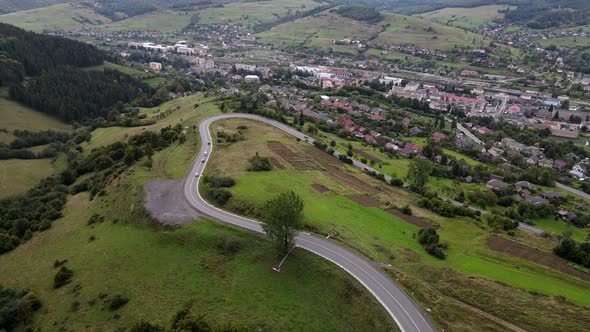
[[162, 269], [374, 232], [64, 16], [18, 175], [466, 18]]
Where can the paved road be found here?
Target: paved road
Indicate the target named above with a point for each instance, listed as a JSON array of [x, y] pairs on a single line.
[[406, 313], [572, 190]]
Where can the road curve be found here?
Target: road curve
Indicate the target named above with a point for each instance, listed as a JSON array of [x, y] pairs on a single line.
[[405, 312]]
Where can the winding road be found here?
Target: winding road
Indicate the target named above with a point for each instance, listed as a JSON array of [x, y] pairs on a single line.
[[404, 311]]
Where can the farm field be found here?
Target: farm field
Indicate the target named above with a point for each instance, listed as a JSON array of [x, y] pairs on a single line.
[[571, 42], [558, 227], [466, 18], [371, 230], [17, 175], [63, 16]]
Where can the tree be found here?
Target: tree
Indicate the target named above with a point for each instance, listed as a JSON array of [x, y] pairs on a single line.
[[283, 215], [418, 172]]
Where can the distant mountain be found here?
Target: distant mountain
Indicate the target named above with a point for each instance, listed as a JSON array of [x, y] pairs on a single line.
[[9, 6]]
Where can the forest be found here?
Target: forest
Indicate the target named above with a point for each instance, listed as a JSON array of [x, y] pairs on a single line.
[[36, 53], [360, 13], [75, 95]]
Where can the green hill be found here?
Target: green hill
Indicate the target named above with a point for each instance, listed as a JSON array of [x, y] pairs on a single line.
[[318, 31], [57, 17]]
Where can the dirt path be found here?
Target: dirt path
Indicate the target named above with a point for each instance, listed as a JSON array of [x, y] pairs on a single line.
[[522, 251], [365, 200]]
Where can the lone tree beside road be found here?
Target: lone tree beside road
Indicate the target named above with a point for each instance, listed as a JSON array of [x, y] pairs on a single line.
[[283, 216], [418, 173]]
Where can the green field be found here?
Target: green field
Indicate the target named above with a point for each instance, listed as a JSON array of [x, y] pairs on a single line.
[[319, 30], [164, 20], [374, 232], [126, 70], [177, 111], [466, 18], [162, 270], [64, 16], [17, 176], [558, 227], [15, 116], [254, 12], [569, 41]]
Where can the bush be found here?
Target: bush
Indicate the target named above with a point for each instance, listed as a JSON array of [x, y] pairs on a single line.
[[258, 163], [364, 160], [430, 240], [396, 182], [147, 327], [220, 195], [95, 218], [16, 306], [117, 302], [406, 210], [62, 277], [222, 182]]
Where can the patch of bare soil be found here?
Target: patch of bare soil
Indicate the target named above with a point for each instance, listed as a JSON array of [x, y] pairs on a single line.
[[365, 200], [411, 219], [276, 163], [332, 168], [297, 161], [166, 202], [522, 251], [320, 188], [367, 156]]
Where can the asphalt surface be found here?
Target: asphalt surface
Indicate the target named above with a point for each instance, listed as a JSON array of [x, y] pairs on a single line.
[[405, 312], [572, 190]]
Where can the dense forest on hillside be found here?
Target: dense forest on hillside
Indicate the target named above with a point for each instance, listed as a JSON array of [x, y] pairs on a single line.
[[36, 52], [118, 10], [360, 13], [75, 95]]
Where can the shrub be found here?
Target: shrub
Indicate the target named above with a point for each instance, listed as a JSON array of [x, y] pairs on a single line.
[[95, 218], [406, 210], [430, 240], [222, 182], [364, 160], [220, 195], [16, 306], [117, 301], [62, 277], [147, 327], [258, 163]]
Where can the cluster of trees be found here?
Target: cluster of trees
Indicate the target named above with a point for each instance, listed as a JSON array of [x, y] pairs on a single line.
[[216, 188], [572, 251], [118, 10], [17, 306], [28, 53], [544, 16], [430, 240], [23, 215], [500, 222], [26, 139], [288, 18], [360, 13], [75, 95], [446, 209]]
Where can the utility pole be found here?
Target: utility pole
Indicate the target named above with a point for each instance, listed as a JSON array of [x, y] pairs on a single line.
[[277, 268]]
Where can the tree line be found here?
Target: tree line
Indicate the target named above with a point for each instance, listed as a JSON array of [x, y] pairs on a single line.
[[28, 53]]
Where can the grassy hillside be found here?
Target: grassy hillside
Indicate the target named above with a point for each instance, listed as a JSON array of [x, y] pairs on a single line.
[[466, 18], [162, 270], [319, 31], [164, 20], [17, 116], [17, 176], [57, 17], [384, 237], [255, 12]]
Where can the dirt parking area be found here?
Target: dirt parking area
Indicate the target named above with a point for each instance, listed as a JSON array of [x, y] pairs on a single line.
[[166, 202], [522, 251]]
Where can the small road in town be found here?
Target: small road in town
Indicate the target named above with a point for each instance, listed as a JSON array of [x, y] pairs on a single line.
[[572, 190], [404, 311]]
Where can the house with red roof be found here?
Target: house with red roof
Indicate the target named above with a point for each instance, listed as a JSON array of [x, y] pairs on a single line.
[[414, 147], [439, 136], [559, 164], [370, 139]]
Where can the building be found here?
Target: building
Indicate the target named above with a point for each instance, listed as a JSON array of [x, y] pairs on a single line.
[[496, 184], [155, 66], [252, 78]]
